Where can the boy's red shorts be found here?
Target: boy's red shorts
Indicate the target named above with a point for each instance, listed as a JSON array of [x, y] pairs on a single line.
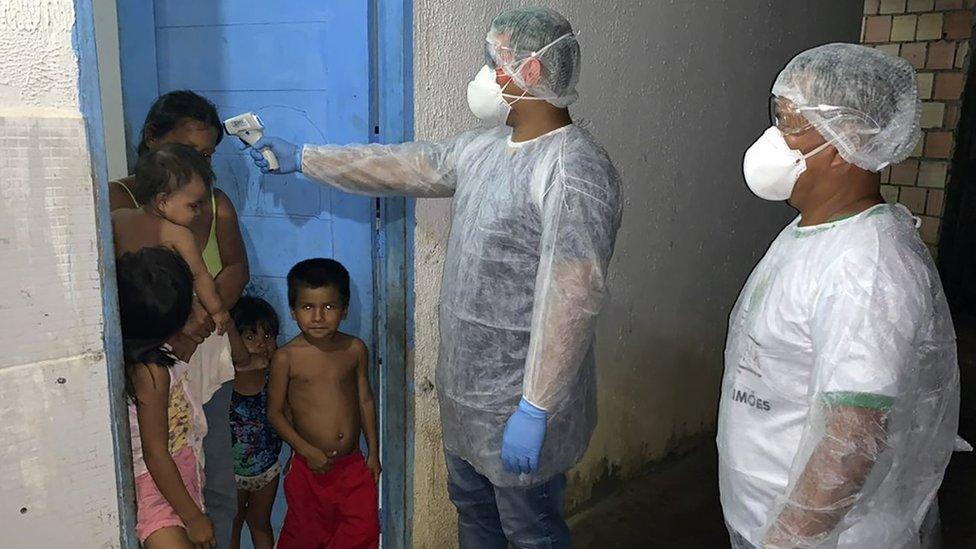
[[334, 510]]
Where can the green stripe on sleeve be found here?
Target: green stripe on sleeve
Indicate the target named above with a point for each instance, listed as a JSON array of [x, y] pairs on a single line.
[[859, 400]]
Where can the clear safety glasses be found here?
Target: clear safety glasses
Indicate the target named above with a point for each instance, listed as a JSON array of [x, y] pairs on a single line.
[[794, 120]]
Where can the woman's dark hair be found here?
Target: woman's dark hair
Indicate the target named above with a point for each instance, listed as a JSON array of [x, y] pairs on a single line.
[[252, 312], [173, 107], [155, 297], [168, 169]]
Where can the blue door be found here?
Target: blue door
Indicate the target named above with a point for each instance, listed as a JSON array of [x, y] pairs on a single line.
[[306, 68]]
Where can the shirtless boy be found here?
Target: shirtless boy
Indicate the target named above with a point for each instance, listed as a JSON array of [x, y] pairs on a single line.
[[321, 375]]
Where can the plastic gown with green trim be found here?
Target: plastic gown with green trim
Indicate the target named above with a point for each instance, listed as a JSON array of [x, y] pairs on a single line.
[[525, 276], [840, 399]]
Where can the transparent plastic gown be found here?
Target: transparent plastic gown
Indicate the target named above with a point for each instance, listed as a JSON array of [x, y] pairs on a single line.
[[840, 399], [525, 276]]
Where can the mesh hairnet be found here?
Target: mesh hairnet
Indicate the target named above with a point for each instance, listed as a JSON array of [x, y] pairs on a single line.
[[516, 34], [863, 100]]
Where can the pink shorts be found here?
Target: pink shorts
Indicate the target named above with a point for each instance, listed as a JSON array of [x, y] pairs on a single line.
[[153, 512]]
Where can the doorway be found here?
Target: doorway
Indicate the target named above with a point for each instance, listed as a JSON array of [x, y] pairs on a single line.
[[315, 72], [957, 243], [957, 266]]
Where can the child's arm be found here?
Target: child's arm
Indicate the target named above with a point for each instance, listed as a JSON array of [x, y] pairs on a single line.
[[317, 460], [367, 411], [203, 284], [239, 354], [151, 384]]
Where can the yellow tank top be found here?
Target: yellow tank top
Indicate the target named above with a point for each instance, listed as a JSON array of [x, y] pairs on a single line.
[[211, 252]]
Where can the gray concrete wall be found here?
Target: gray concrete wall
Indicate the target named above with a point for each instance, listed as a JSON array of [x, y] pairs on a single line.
[[676, 91], [57, 462]]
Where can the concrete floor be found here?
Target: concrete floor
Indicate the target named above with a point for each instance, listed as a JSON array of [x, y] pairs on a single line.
[[676, 505]]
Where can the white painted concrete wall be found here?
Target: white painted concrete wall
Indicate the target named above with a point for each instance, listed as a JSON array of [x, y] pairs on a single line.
[[676, 91], [57, 469]]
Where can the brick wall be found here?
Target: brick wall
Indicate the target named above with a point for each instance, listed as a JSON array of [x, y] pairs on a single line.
[[934, 35]]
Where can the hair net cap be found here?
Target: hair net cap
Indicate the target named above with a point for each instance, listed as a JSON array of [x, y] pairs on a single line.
[[861, 99], [517, 34]]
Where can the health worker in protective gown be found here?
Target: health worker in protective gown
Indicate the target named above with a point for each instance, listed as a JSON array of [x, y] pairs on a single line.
[[535, 213], [840, 399]]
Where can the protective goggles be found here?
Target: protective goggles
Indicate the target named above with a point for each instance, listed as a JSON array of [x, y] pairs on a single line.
[[792, 119]]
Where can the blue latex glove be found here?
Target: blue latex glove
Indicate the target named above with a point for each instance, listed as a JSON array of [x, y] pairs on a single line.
[[289, 155], [523, 437]]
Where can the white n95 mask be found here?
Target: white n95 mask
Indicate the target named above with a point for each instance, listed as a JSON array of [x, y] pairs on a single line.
[[771, 167], [486, 98]]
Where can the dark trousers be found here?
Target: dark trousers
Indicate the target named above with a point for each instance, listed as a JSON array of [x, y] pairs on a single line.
[[491, 517]]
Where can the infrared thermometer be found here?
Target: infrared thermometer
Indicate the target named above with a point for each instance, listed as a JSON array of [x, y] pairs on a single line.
[[247, 127]]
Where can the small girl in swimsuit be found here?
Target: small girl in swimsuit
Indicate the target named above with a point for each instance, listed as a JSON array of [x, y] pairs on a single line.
[[256, 444], [174, 182]]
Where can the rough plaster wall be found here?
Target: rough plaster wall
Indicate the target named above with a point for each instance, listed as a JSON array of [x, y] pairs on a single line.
[[57, 467], [38, 67], [448, 49], [676, 91]]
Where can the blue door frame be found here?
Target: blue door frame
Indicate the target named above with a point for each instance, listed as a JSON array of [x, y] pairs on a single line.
[[391, 115], [89, 102], [392, 99]]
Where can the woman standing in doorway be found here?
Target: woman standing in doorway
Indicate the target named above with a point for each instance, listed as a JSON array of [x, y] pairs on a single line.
[[190, 119]]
